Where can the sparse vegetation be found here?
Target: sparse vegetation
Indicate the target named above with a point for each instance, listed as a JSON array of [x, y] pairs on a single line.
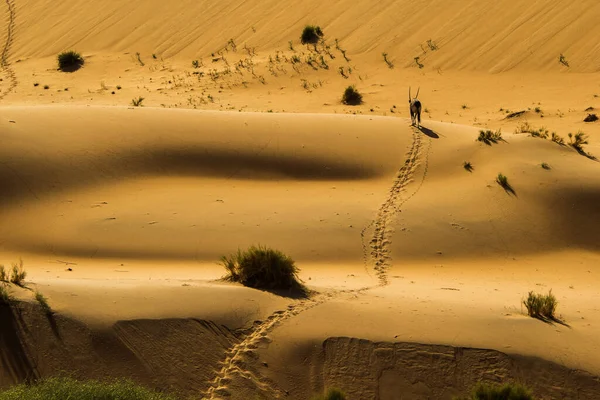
[[432, 45], [541, 306], [488, 137], [41, 299], [537, 110], [468, 166], [464, 106], [139, 58], [291, 45], [137, 102], [3, 274], [262, 268], [563, 60], [36, 84], [545, 166], [332, 394], [118, 87], [387, 61], [196, 64], [311, 34], [591, 118], [577, 141], [18, 273], [68, 388], [70, 61], [419, 64], [502, 180], [5, 298], [557, 139], [46, 87], [352, 96], [509, 391]]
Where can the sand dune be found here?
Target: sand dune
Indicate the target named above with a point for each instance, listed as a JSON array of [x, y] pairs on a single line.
[[417, 267]]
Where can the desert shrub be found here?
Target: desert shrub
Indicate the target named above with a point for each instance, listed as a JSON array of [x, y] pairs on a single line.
[[69, 61], [67, 388], [352, 96], [262, 268], [3, 274], [43, 301], [557, 139], [545, 165], [488, 137], [591, 118], [311, 34], [509, 391], [137, 102], [332, 394], [577, 141], [468, 166], [18, 273], [502, 180], [540, 305]]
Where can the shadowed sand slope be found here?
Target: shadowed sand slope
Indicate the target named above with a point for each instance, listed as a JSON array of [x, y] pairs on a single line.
[[470, 35], [394, 371], [176, 355]]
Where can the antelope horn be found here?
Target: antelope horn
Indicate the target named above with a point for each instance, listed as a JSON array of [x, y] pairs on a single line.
[[409, 94], [417, 96]]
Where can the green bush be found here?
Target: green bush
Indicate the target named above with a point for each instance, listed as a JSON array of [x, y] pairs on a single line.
[[541, 306], [70, 61], [262, 268], [509, 391], [352, 96], [67, 388], [332, 394], [311, 34]]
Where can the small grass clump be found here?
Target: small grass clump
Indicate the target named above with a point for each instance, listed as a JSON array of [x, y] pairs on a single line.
[[509, 391], [352, 96], [502, 180], [545, 166], [387, 60], [68, 388], [262, 268], [18, 273], [332, 394], [488, 137], [5, 297], [137, 102], [557, 139], [70, 61], [577, 141], [311, 34], [3, 274], [468, 166], [541, 306], [591, 118], [40, 298]]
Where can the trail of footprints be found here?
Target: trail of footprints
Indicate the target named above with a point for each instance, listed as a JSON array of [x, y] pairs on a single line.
[[237, 363], [4, 64]]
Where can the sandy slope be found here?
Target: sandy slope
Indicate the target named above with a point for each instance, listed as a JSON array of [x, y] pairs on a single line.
[[121, 213]]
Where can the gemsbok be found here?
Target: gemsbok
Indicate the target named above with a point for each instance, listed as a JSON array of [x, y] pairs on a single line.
[[415, 108]]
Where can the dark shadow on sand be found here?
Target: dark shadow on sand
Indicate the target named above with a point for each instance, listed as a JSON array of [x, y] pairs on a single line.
[[429, 132]]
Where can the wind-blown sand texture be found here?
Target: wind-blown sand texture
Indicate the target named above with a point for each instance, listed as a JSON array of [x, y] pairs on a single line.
[[417, 266]]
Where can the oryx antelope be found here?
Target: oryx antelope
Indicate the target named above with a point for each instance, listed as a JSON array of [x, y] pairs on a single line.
[[415, 108]]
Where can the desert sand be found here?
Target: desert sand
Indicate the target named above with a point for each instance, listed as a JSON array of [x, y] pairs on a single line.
[[417, 267]]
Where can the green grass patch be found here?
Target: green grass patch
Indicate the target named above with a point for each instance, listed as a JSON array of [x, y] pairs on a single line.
[[262, 268], [332, 394], [70, 61], [542, 306], [67, 388], [352, 96], [509, 391], [311, 34]]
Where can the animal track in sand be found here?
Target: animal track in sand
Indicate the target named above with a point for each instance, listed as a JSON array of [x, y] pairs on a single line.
[[381, 237], [239, 357], [4, 64]]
